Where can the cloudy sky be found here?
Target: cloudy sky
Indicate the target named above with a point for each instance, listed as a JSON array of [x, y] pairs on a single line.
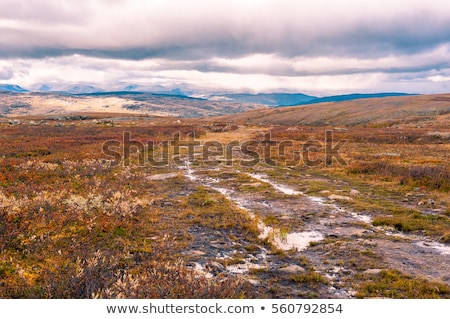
[[311, 46]]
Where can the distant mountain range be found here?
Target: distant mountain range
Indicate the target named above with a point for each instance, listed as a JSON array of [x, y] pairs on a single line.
[[286, 99], [349, 97], [11, 88], [268, 99]]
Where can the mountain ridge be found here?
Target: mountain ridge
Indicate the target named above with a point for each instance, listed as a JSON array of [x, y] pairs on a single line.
[[274, 100]]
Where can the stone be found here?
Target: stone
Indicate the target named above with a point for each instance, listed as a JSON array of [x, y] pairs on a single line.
[[354, 192], [254, 282], [14, 122], [292, 269], [357, 232], [372, 271]]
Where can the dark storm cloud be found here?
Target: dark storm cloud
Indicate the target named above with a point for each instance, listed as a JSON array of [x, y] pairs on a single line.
[[72, 29]]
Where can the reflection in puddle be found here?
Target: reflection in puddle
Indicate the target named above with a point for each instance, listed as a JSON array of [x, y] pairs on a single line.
[[287, 241]]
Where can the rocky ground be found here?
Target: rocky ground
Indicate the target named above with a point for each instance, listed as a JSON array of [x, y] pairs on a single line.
[[309, 246]]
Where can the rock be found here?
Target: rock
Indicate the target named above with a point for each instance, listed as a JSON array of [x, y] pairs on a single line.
[[14, 122], [325, 192], [372, 271], [254, 282], [95, 122], [33, 123], [431, 201], [292, 269], [161, 177], [340, 197], [357, 232], [354, 192]]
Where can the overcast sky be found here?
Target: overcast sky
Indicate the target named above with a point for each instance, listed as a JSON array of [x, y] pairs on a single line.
[[311, 46]]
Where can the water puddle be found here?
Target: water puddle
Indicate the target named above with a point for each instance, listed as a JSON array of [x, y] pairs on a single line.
[[189, 173], [441, 248], [281, 188], [317, 200], [363, 218], [418, 241], [243, 268], [282, 240], [287, 241]]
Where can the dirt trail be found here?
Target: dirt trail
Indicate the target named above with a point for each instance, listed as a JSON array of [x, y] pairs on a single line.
[[313, 219], [339, 243]]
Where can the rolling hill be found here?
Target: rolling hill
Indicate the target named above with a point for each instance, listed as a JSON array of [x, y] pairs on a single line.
[[269, 99], [11, 88], [293, 99], [371, 111]]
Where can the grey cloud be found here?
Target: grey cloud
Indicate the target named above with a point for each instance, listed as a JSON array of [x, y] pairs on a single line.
[[115, 36], [223, 36]]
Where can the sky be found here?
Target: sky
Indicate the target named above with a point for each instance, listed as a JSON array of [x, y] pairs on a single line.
[[310, 46]]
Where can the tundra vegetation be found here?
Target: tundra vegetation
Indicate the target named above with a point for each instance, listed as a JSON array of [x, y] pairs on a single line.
[[75, 223]]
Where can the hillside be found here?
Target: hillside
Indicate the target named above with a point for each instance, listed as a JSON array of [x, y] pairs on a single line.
[[11, 88], [270, 99], [376, 112], [21, 104]]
